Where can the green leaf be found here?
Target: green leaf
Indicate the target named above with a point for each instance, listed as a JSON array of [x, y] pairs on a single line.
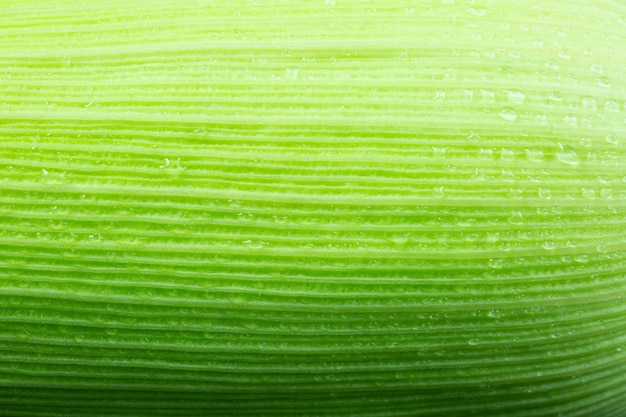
[[302, 208]]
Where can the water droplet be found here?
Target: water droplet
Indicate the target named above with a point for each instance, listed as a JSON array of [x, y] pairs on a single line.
[[589, 103], [611, 106], [606, 193], [279, 219], [586, 142], [516, 217], [508, 114], [555, 96], [588, 193], [534, 155], [597, 68], [130, 241], [505, 247], [507, 154], [494, 313], [567, 155], [488, 95], [603, 82], [493, 237], [250, 325], [496, 263], [236, 299], [473, 136], [439, 152], [95, 237], [473, 342], [234, 203], [400, 241], [485, 154], [443, 246], [581, 259], [439, 96], [478, 11], [166, 164], [471, 237], [246, 217], [291, 73], [565, 54], [362, 246], [570, 120], [254, 244], [603, 179], [548, 245], [545, 193], [551, 64], [515, 193], [612, 139], [515, 96]]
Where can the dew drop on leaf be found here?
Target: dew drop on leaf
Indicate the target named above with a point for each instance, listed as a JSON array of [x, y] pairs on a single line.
[[494, 313], [582, 258], [570, 120], [597, 68], [548, 245], [588, 193], [495, 263], [611, 106], [612, 139], [485, 154], [567, 155], [508, 114], [545, 193], [556, 96], [534, 155], [515, 96], [589, 103], [516, 217]]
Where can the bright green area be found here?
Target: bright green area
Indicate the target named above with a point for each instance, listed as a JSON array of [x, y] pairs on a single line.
[[309, 208]]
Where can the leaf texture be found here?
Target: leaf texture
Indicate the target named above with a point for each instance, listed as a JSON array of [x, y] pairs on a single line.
[[306, 208]]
